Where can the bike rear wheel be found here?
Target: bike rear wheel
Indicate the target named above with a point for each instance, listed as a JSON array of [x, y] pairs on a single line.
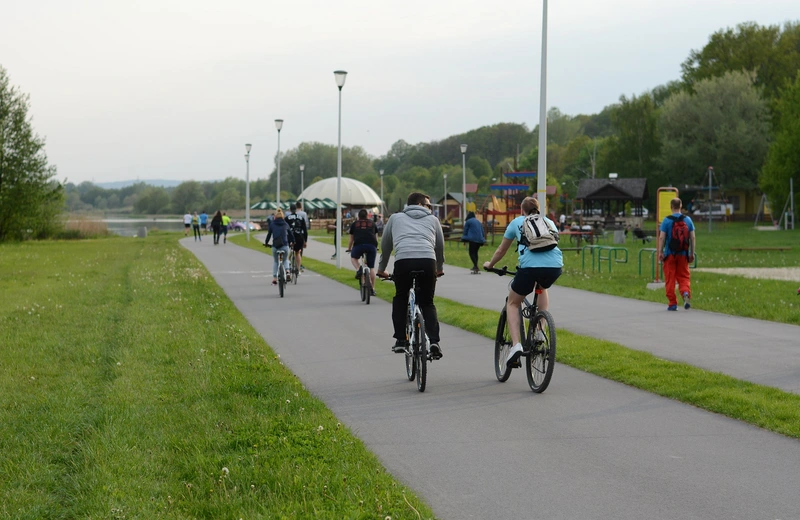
[[411, 366], [542, 356], [295, 271], [420, 348], [281, 280], [502, 344], [366, 287]]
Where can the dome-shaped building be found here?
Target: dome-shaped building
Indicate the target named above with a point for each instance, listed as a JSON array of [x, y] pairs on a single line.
[[354, 193]]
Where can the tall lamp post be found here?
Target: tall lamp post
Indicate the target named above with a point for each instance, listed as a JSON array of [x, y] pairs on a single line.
[[302, 184], [247, 192], [279, 125], [382, 210], [340, 76], [541, 174], [464, 183]]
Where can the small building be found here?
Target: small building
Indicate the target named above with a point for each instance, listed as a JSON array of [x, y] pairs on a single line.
[[605, 199]]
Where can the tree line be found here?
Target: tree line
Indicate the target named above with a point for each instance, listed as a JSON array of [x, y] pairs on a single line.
[[736, 106]]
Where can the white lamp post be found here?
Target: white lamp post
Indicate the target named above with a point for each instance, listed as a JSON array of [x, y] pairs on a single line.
[[340, 76], [302, 184], [464, 183], [382, 209], [279, 125], [247, 192], [541, 174], [444, 216]]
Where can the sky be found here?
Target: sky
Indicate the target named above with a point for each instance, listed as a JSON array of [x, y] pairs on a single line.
[[173, 89]]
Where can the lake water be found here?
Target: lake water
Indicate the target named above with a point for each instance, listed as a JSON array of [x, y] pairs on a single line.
[[129, 227]]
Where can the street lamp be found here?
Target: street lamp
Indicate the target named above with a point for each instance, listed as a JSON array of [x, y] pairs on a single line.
[[382, 210], [444, 216], [464, 183], [279, 125], [541, 174], [340, 76], [247, 192], [302, 184]]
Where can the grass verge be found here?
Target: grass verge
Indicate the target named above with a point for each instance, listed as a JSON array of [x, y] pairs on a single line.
[[133, 388], [763, 406]]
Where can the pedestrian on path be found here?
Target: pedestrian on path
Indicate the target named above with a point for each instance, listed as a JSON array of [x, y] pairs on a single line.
[[226, 222], [196, 227], [187, 223], [415, 235], [676, 247], [204, 222], [216, 226], [474, 237]]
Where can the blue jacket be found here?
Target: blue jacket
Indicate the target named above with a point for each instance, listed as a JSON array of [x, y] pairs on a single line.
[[473, 231], [279, 228]]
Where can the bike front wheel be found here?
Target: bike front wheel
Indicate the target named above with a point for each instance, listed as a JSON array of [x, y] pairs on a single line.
[[420, 350], [542, 356]]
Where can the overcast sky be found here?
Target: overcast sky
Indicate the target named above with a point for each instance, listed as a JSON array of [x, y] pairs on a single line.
[[173, 89]]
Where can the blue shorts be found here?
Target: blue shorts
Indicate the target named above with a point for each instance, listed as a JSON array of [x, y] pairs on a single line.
[[371, 251], [525, 278]]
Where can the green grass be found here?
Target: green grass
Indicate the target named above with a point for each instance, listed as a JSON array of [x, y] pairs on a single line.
[[762, 406], [133, 388], [772, 300]]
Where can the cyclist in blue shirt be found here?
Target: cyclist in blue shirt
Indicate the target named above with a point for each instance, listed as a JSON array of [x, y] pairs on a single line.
[[542, 267]]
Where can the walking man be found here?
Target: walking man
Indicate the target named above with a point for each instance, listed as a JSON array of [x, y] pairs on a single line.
[[675, 249]]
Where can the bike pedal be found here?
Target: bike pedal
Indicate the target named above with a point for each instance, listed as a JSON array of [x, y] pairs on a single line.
[[516, 364]]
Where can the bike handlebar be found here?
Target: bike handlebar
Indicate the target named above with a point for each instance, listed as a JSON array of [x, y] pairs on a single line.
[[390, 277], [500, 272]]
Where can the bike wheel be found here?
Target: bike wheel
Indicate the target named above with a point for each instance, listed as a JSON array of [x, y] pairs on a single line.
[[542, 356], [281, 281], [420, 349], [367, 288], [295, 270], [502, 344], [361, 288]]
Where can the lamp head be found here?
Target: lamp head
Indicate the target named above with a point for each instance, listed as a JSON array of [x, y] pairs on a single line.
[[279, 124], [463, 148], [247, 147], [340, 76], [302, 167], [381, 173]]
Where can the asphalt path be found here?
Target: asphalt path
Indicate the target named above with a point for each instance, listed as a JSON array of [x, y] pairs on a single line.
[[476, 448], [762, 352]]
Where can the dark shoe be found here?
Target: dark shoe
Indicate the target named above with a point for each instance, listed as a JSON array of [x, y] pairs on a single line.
[[687, 301], [672, 308], [435, 351], [400, 347], [274, 282], [358, 273], [372, 292]]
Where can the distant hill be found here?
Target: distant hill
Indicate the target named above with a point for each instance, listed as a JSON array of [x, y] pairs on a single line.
[[124, 184]]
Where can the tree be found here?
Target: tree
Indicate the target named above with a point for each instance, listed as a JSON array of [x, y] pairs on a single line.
[[637, 145], [188, 197], [783, 158], [29, 197], [725, 124]]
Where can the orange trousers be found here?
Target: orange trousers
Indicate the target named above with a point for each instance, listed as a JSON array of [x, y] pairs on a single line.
[[676, 269]]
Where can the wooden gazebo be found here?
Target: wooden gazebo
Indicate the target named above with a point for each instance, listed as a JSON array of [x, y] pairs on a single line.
[[604, 199]]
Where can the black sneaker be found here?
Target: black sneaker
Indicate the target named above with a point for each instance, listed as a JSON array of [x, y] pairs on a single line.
[[358, 273], [435, 351], [400, 346], [372, 292]]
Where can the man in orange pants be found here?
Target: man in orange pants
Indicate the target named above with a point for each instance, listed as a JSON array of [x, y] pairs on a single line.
[[676, 247]]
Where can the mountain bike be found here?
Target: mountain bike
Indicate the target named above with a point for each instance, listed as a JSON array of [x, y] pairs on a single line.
[[416, 353], [538, 337]]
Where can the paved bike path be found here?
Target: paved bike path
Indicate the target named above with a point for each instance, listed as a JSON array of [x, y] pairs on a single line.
[[762, 352], [476, 448]]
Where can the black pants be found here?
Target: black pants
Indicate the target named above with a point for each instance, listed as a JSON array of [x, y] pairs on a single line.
[[216, 230], [426, 287], [473, 253]]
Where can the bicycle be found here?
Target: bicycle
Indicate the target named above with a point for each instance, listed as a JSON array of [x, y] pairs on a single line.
[[293, 266], [416, 352], [538, 342], [364, 280], [281, 273]]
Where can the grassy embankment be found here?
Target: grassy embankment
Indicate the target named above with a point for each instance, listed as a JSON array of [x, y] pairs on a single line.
[[133, 388], [759, 405], [772, 300]]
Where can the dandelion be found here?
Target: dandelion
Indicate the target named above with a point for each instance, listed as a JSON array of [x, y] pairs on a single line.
[[288, 401], [225, 471], [320, 428]]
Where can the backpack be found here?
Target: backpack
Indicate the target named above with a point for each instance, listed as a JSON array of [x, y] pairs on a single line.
[[537, 235], [679, 237]]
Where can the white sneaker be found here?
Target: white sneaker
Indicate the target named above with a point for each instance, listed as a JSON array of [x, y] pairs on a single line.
[[513, 355]]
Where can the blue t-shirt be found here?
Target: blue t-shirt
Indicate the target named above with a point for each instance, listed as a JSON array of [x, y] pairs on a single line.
[[552, 258], [666, 227], [203, 218]]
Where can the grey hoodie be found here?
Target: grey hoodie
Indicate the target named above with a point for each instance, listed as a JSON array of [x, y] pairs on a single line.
[[413, 233]]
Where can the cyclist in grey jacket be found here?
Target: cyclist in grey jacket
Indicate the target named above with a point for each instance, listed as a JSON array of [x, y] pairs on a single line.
[[415, 235]]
